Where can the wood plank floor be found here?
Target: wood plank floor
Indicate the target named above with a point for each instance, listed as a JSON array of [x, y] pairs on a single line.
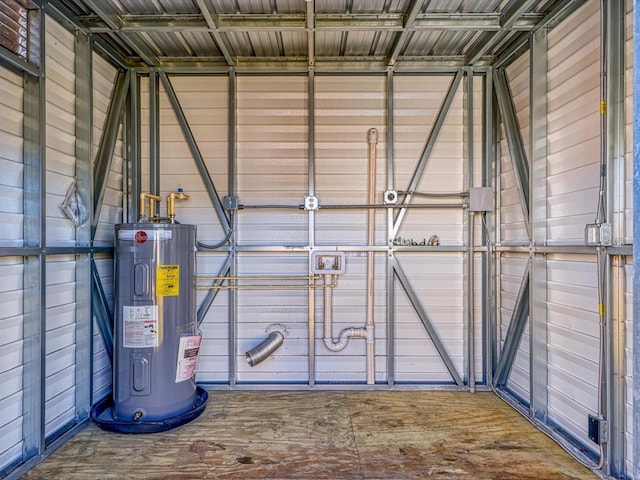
[[326, 435]]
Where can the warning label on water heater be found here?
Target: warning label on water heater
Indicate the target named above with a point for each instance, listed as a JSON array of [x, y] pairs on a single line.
[[168, 280], [187, 357], [140, 326]]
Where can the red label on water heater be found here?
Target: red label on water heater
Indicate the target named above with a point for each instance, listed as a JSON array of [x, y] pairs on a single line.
[[141, 236]]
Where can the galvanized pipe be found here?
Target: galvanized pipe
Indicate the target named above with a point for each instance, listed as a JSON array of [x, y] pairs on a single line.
[[261, 351]]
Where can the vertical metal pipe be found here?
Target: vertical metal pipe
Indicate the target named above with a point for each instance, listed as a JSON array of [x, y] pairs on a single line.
[[371, 240]]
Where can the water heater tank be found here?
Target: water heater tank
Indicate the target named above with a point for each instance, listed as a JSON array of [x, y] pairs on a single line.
[[156, 334]]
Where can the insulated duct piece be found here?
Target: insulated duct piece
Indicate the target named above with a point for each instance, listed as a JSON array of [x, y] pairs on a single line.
[[261, 351]]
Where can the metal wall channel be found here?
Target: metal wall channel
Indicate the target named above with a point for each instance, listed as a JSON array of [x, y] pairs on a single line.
[[615, 151], [635, 342], [391, 301], [538, 357], [34, 236], [83, 130]]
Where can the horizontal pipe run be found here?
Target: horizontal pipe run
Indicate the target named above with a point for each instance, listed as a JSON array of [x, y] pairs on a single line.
[[387, 207], [357, 206], [274, 277], [261, 351], [263, 287]]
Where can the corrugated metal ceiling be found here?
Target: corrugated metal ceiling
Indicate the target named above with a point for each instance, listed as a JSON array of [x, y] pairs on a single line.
[[297, 34]]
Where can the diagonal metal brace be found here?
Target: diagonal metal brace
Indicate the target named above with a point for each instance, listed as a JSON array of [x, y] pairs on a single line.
[[104, 318], [424, 318], [107, 146], [428, 148], [514, 332], [514, 140], [195, 151], [204, 307]]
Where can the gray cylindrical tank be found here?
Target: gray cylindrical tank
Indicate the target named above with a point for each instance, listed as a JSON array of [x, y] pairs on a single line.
[[156, 334]]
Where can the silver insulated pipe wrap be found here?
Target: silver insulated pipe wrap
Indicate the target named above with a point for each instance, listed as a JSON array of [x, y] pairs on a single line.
[[261, 351]]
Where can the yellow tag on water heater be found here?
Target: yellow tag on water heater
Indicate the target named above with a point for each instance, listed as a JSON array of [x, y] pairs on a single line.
[[168, 280]]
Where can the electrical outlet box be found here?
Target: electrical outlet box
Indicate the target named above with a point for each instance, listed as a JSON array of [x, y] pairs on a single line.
[[327, 263], [598, 235], [390, 197], [230, 203], [481, 199], [594, 429], [311, 202]]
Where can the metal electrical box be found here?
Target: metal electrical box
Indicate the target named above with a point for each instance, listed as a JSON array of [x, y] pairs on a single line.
[[156, 340]]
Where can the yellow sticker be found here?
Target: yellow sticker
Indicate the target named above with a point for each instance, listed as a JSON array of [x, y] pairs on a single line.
[[168, 280]]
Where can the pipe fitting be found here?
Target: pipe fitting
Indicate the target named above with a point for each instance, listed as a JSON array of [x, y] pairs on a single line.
[[261, 351], [152, 203], [372, 135], [171, 203], [369, 333], [343, 339]]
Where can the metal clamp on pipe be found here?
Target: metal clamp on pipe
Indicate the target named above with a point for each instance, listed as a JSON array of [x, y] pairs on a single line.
[[261, 351]]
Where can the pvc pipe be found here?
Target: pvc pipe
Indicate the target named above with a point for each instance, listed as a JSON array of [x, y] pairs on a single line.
[[335, 345], [261, 351], [371, 239]]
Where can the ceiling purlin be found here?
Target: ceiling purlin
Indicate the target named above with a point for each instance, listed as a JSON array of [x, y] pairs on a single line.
[[508, 20], [493, 29], [323, 21], [221, 42], [402, 37], [115, 23]]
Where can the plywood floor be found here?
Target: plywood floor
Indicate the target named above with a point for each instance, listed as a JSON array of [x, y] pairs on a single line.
[[326, 435]]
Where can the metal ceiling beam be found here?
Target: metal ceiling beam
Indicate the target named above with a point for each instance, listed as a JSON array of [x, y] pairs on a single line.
[[293, 21], [520, 44], [115, 24], [401, 38], [212, 25], [508, 19]]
